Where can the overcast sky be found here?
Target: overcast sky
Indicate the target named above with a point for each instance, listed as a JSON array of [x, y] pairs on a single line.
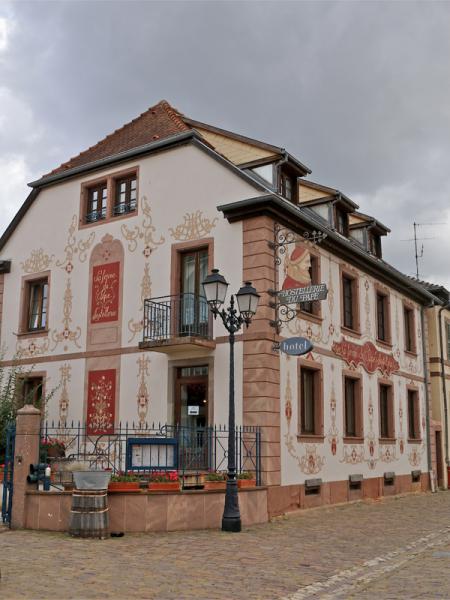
[[358, 91]]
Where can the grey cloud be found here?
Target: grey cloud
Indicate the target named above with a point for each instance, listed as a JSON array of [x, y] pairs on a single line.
[[357, 91]]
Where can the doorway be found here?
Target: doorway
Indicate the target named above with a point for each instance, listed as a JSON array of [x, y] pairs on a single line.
[[193, 308], [439, 471], [191, 397]]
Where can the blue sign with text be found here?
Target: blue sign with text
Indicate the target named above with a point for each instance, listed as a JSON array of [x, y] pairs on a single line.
[[296, 346]]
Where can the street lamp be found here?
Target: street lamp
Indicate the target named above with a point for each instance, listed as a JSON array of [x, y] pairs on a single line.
[[215, 287]]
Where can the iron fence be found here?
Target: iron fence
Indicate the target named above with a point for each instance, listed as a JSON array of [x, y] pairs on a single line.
[[145, 448], [176, 316]]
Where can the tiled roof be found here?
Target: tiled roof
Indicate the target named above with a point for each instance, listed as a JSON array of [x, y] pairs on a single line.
[[158, 122]]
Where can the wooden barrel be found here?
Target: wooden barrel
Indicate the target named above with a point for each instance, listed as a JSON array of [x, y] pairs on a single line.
[[89, 517]]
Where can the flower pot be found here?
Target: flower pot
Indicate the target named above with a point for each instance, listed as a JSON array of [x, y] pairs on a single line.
[[215, 485], [91, 480], [246, 483], [164, 486], [55, 452], [124, 486]]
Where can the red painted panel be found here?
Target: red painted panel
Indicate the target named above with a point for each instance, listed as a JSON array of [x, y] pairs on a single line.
[[105, 293], [101, 402], [367, 355]]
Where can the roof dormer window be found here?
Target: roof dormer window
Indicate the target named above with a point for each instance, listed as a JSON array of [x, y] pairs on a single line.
[[288, 186], [340, 221], [374, 244]]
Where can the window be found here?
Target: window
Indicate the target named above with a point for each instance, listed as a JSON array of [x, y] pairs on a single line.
[[313, 308], [375, 244], [310, 402], [448, 340], [341, 221], [193, 309], [97, 197], [413, 415], [125, 195], [352, 407], [37, 295], [31, 391], [383, 329], [114, 196], [408, 317], [288, 186], [386, 412], [349, 302]]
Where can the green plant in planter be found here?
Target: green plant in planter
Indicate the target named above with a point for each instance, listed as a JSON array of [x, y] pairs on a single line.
[[216, 476], [124, 478], [246, 475]]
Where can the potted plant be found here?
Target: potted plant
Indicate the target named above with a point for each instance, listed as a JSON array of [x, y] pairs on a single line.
[[246, 479], [52, 448], [215, 481], [164, 481], [124, 482]]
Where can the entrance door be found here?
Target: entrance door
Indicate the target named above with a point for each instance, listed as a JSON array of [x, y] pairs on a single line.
[[191, 417], [193, 307], [191, 401]]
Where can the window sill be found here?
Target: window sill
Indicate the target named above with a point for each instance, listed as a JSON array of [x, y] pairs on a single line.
[[411, 353], [414, 440], [310, 438], [390, 441], [33, 334], [353, 440], [83, 225], [384, 344], [352, 332]]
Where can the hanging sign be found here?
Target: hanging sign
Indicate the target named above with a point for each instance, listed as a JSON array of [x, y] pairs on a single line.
[[193, 410], [310, 293], [296, 346]]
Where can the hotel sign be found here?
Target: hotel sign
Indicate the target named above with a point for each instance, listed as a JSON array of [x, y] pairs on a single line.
[[296, 346], [366, 355], [310, 293]]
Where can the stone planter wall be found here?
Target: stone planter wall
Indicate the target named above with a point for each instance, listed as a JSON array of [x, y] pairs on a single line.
[[149, 511]]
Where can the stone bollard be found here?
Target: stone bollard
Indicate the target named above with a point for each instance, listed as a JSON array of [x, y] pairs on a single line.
[[26, 452]]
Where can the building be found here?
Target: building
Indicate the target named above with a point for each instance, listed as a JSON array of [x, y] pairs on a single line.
[[102, 270], [438, 324]]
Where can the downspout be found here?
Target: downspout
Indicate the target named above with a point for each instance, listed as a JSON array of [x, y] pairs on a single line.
[[427, 397], [444, 383]]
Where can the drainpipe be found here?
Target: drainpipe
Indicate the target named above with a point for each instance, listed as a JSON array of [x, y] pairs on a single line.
[[444, 383], [427, 397]]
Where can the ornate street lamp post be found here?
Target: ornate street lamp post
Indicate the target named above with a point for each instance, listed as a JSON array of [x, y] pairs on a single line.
[[215, 287]]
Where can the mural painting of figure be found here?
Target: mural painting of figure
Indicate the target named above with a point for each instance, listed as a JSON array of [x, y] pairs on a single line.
[[297, 269]]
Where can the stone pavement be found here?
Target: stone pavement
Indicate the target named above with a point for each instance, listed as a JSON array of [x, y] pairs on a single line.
[[392, 548]]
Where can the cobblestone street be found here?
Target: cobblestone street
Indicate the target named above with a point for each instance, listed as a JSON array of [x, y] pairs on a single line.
[[387, 549]]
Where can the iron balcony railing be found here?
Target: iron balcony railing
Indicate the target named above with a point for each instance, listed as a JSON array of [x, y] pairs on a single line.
[[176, 316], [144, 448], [122, 208]]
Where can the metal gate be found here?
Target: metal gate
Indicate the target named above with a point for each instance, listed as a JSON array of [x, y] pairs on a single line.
[[8, 473]]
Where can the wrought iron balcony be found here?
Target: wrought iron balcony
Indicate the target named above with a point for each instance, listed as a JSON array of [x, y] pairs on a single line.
[[177, 320]]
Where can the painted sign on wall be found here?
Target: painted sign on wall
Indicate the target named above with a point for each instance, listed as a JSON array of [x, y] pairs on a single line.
[[101, 402], [366, 355], [105, 293]]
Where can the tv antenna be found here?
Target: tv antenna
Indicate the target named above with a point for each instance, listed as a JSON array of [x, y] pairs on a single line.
[[418, 254]]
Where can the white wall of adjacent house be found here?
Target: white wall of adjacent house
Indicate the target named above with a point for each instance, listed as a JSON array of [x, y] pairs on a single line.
[[330, 457], [178, 193]]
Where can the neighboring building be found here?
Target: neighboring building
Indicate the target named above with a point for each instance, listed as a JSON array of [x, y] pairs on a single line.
[[438, 321], [136, 222]]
